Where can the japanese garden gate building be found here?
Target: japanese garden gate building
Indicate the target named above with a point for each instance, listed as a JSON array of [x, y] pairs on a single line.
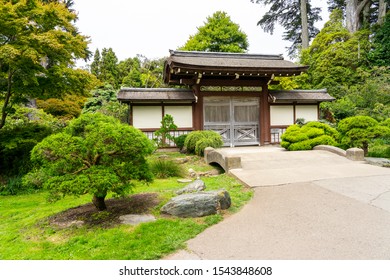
[[227, 93]]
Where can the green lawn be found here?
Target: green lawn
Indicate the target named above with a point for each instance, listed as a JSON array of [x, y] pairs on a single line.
[[25, 233]]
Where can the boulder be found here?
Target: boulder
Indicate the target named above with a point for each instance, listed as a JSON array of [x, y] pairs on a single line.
[[197, 204], [196, 186]]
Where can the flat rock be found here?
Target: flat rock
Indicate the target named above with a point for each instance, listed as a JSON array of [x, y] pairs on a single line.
[[384, 162], [184, 180], [195, 186], [181, 160], [197, 204], [133, 219]]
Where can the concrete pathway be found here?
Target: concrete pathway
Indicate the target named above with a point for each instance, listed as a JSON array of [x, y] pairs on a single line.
[[307, 205]]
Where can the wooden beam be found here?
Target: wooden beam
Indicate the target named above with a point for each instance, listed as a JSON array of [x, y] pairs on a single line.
[[240, 82]]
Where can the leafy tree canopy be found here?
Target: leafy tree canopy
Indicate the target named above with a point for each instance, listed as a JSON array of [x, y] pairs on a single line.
[[95, 154], [218, 34], [66, 108], [38, 47]]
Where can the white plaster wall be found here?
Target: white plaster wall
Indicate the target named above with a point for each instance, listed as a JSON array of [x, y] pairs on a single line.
[[147, 116], [282, 115], [307, 112], [182, 115]]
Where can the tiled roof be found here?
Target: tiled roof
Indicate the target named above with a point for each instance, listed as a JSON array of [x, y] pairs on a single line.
[[183, 67], [230, 60], [300, 95], [155, 95]]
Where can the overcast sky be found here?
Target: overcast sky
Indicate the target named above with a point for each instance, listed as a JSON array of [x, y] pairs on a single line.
[[153, 27]]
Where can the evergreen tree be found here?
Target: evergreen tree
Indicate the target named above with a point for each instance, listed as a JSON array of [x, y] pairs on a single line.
[[95, 65], [290, 16], [109, 72]]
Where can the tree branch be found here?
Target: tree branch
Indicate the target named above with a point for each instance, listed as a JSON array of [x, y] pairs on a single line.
[[81, 169], [7, 99], [360, 6]]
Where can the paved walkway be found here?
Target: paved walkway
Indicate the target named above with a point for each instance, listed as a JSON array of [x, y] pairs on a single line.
[[307, 205]]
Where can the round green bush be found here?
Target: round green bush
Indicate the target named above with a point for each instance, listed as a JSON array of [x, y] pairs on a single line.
[[191, 139], [215, 140], [180, 140], [386, 123], [203, 143], [309, 135]]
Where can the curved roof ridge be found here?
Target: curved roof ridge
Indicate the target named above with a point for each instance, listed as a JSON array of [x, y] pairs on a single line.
[[225, 54]]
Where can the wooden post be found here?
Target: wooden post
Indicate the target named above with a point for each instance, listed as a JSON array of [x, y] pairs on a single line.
[[265, 122], [198, 109]]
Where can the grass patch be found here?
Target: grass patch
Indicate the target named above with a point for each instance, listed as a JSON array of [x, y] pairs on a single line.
[[27, 231], [162, 169]]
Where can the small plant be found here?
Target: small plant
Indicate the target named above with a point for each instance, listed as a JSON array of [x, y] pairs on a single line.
[[300, 121], [13, 186], [163, 169], [180, 140], [162, 134]]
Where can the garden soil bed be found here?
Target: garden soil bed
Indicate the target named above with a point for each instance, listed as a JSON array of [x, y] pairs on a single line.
[[88, 215]]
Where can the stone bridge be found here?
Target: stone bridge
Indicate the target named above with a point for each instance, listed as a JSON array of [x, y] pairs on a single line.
[[227, 162]]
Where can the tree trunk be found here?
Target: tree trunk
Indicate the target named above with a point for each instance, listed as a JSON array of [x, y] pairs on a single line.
[[353, 9], [365, 148], [381, 11], [99, 203], [305, 26], [351, 16], [7, 99]]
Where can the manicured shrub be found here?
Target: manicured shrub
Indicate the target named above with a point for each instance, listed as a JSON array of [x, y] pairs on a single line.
[[179, 141], [386, 123], [215, 140], [309, 135], [328, 130], [162, 169], [202, 144]]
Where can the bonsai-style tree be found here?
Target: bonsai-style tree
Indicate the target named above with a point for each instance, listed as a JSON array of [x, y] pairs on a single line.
[[162, 134], [95, 154], [359, 131]]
